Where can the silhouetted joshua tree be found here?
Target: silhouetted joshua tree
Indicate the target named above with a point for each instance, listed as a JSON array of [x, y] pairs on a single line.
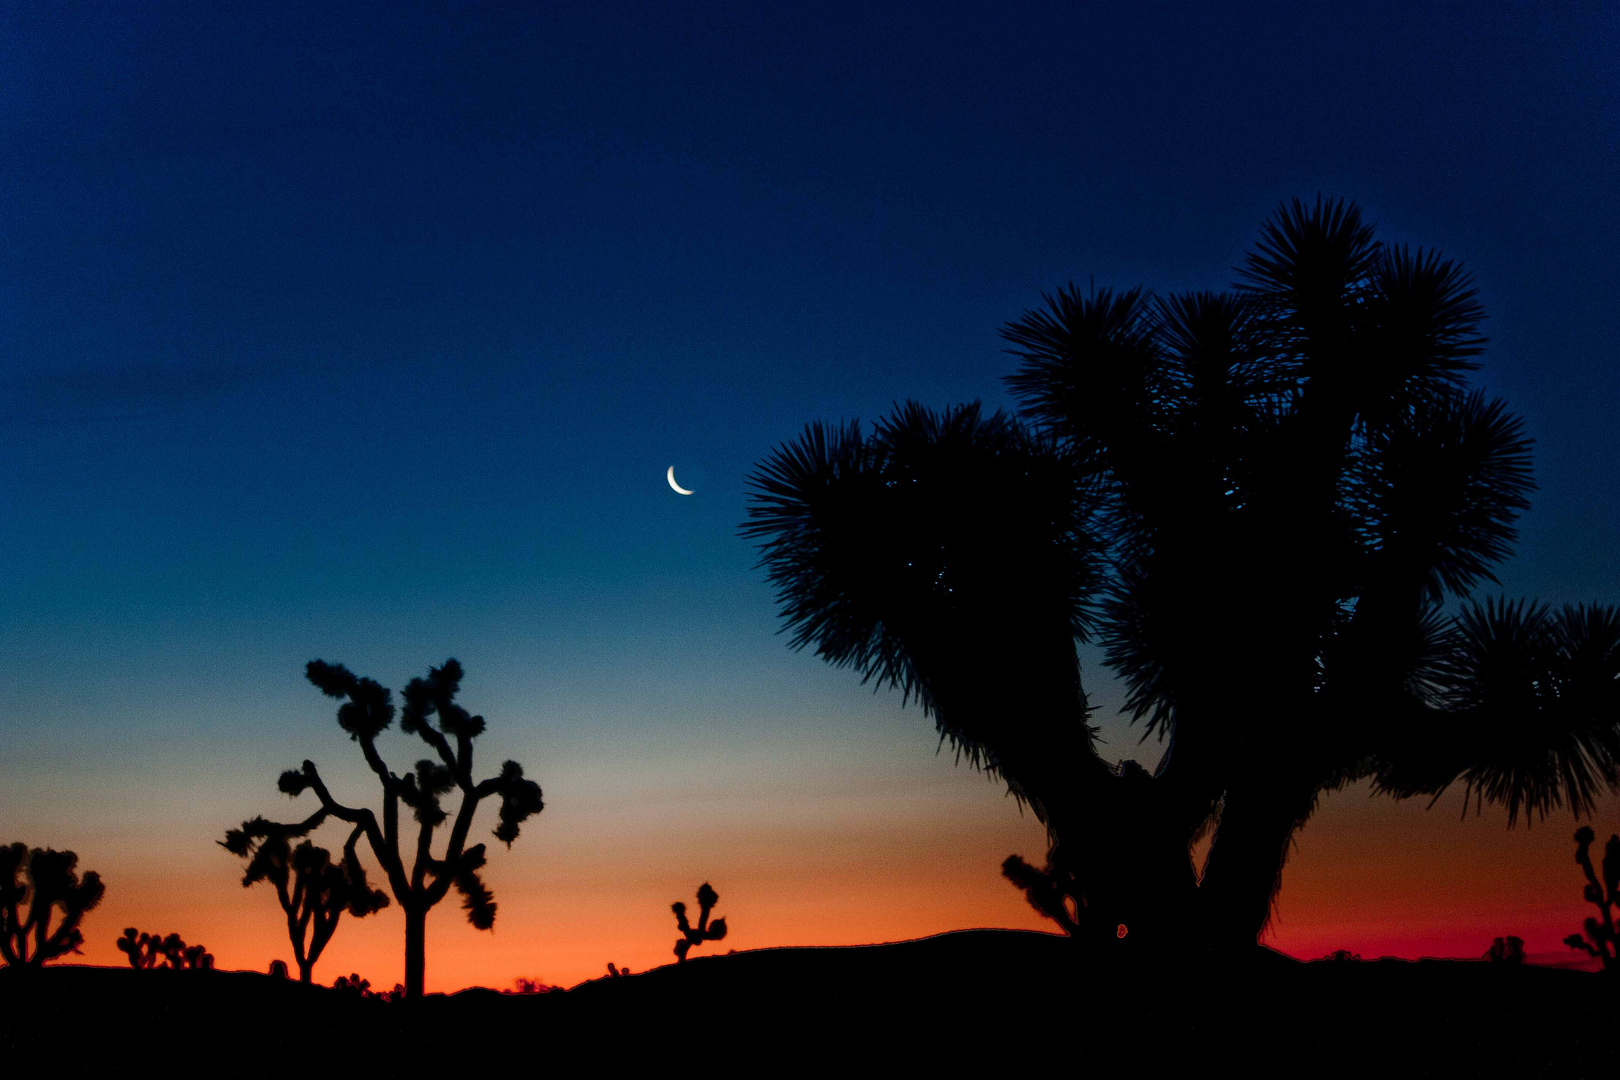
[[313, 891], [431, 713], [1257, 502], [1601, 938], [36, 884], [142, 950], [704, 930], [145, 950]]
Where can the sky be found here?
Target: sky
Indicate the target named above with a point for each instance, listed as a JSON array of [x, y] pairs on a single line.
[[368, 334]]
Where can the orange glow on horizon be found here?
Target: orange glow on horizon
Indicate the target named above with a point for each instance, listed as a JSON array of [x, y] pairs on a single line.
[[1368, 875]]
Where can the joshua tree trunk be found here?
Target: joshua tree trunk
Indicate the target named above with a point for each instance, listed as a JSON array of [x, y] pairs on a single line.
[[1244, 869], [415, 949], [306, 969]]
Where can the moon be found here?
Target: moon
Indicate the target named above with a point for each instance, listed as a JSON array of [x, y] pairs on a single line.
[[678, 489]]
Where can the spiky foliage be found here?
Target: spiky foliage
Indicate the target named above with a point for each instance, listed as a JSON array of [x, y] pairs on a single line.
[[1257, 502], [694, 935], [1599, 937], [37, 886], [313, 891], [417, 878]]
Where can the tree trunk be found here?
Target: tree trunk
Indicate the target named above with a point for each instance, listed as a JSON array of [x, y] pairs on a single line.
[[1244, 869], [415, 950], [306, 970]]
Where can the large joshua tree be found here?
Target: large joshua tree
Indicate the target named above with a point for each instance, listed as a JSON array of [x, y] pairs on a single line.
[[1259, 503], [418, 878]]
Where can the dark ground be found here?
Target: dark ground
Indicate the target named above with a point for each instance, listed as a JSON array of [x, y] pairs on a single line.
[[999, 1000]]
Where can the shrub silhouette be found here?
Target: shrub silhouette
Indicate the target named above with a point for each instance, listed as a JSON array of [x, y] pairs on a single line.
[[313, 891], [430, 713], [703, 931], [46, 883], [616, 972], [1599, 937], [1506, 950], [1259, 503], [352, 984], [278, 969]]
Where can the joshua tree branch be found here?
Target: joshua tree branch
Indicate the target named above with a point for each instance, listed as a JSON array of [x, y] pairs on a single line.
[[424, 855], [435, 738], [458, 832], [387, 855]]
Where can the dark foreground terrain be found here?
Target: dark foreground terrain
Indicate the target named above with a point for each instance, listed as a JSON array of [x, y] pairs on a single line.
[[1000, 1001]]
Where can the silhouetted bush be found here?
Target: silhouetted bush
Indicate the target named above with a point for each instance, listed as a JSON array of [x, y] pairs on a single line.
[[616, 972], [522, 985], [278, 969], [352, 984], [704, 930], [46, 881], [1506, 950], [1599, 939]]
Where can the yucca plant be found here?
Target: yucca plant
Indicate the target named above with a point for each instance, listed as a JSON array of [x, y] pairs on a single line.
[[1259, 503]]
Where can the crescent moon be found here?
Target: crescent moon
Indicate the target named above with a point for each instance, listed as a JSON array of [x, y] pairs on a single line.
[[678, 489]]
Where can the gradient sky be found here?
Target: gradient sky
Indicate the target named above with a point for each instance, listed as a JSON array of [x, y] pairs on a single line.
[[369, 336]]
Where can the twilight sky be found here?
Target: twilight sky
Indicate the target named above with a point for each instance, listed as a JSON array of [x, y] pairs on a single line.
[[369, 336]]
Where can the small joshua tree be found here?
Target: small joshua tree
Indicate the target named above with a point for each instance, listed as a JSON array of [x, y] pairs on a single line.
[[314, 892], [704, 930], [142, 949], [432, 714], [1600, 939], [145, 950], [45, 881]]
